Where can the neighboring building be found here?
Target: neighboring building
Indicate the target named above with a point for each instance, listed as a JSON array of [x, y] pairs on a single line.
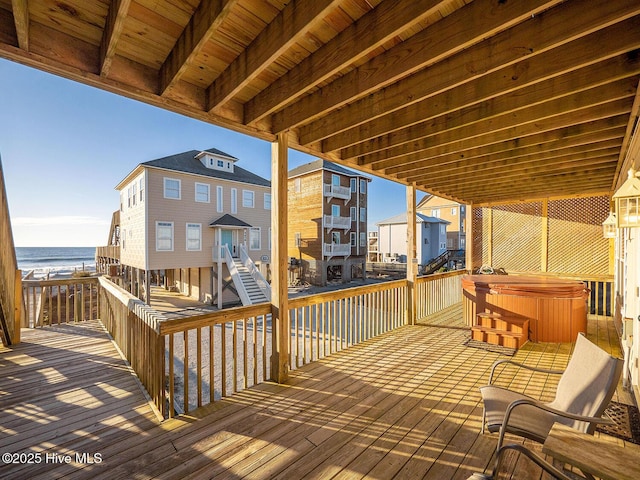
[[448, 210], [328, 221], [431, 238], [179, 215], [373, 251]]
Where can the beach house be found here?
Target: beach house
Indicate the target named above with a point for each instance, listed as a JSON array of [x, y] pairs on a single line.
[[198, 222], [431, 238], [327, 221], [451, 211]]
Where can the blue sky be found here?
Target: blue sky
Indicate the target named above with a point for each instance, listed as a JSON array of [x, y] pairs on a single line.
[[64, 146]]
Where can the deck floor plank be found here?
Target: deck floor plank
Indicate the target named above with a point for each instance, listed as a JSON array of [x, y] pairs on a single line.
[[405, 404]]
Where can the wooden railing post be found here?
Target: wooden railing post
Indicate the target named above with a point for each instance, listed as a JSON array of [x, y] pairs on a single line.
[[412, 260], [279, 260], [18, 307]]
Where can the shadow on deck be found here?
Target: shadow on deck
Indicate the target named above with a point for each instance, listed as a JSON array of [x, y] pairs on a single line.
[[403, 405]]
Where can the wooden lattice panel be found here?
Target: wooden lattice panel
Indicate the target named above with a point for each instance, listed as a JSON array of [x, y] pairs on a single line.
[[480, 247], [576, 244], [517, 237]]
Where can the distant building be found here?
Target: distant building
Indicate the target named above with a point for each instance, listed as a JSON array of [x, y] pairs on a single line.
[[431, 238], [448, 210], [194, 219], [327, 221], [373, 250]]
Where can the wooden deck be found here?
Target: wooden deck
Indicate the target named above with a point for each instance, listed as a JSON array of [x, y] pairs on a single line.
[[403, 405]]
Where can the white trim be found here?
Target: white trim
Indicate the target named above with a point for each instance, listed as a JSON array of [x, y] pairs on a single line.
[[245, 202], [198, 184], [164, 183], [219, 199], [199, 226], [165, 224], [234, 200], [253, 229]]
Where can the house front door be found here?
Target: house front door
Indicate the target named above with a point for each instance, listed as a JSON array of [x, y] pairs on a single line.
[[227, 239]]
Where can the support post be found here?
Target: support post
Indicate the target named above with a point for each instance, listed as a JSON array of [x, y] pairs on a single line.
[[412, 260], [544, 250], [18, 308], [468, 242], [279, 236]]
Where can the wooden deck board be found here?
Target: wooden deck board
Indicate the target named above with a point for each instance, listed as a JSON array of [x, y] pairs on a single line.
[[403, 405]]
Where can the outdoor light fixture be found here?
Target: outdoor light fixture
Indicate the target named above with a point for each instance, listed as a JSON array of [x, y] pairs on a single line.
[[609, 226], [627, 200]]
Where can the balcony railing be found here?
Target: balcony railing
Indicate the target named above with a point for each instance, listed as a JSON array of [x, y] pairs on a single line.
[[337, 249], [330, 222], [336, 191]]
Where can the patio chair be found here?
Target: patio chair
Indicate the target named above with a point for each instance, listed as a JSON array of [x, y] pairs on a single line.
[[547, 467], [584, 391]]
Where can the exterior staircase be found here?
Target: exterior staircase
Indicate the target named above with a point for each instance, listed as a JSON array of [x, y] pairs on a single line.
[[252, 288], [500, 330]]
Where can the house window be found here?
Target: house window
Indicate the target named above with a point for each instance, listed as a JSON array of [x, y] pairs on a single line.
[[164, 236], [335, 238], [435, 213], [194, 237], [254, 238], [202, 193], [354, 184], [129, 197], [141, 189], [335, 210], [298, 239], [221, 163], [335, 179], [363, 239], [443, 229], [247, 198], [234, 200], [269, 238], [354, 215], [134, 193], [219, 205], [296, 185], [454, 210], [267, 201], [363, 186], [426, 241], [353, 239], [363, 214], [172, 188]]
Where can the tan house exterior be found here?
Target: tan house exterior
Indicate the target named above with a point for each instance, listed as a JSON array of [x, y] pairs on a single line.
[[176, 209], [328, 221], [450, 211]]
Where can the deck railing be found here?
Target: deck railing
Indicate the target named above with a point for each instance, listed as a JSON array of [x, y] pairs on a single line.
[[9, 275], [437, 292], [189, 362], [326, 323], [52, 302]]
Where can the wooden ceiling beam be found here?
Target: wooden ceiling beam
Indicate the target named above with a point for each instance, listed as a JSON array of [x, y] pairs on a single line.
[[457, 127], [293, 22], [538, 183], [388, 20], [118, 10], [20, 9], [494, 166], [463, 28], [518, 45], [532, 81], [204, 24], [523, 168], [498, 130], [539, 144]]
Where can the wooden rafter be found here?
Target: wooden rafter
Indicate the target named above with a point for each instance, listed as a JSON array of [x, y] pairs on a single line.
[[291, 24], [204, 24], [20, 10], [112, 30], [387, 20]]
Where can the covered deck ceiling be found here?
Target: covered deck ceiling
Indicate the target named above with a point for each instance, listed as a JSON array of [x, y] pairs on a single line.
[[479, 101]]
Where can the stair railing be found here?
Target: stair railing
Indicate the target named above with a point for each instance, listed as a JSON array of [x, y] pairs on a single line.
[[262, 283], [235, 275]]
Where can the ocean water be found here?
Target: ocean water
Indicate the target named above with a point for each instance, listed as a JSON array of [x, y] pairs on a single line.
[[55, 261]]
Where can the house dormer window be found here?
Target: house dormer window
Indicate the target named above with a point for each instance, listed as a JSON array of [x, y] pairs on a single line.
[[220, 164]]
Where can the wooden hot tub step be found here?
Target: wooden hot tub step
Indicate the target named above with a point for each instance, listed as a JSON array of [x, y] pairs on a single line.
[[497, 321], [498, 337]]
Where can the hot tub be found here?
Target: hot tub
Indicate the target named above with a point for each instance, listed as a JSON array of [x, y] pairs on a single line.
[[556, 308]]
